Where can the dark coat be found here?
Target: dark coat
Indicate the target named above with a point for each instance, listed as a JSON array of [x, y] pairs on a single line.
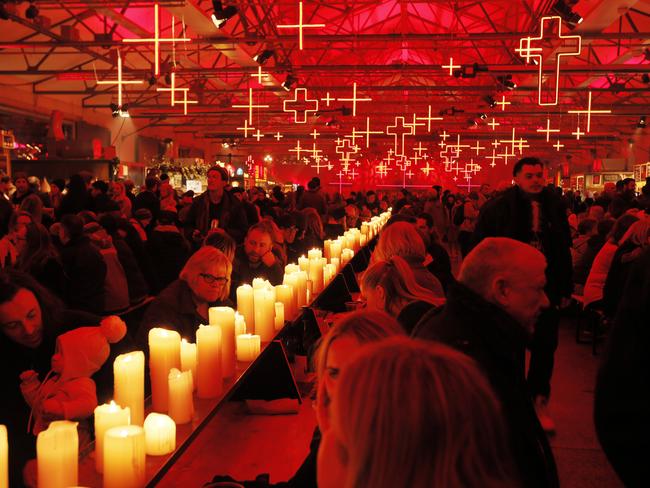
[[232, 216], [244, 272], [492, 337], [622, 264], [510, 215], [138, 288], [86, 271], [622, 396], [147, 199], [411, 314], [313, 199], [582, 266], [440, 266], [170, 251]]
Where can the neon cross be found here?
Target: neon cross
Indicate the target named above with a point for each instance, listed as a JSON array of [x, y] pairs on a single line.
[[304, 101], [478, 148], [172, 88], [493, 158], [457, 147], [345, 148], [259, 75], [428, 119], [449, 158], [444, 135], [507, 155], [503, 103], [403, 163], [495, 143], [569, 46], [119, 82], [416, 159], [451, 66], [185, 101], [354, 136], [419, 149], [353, 174], [300, 26], [521, 144], [258, 135], [548, 130], [493, 124], [315, 134], [246, 128], [578, 133], [250, 105], [354, 99], [558, 146], [278, 136], [468, 186], [512, 141], [589, 112], [340, 174], [328, 99], [382, 169], [297, 149], [400, 130], [367, 132], [415, 125], [315, 152], [427, 169], [157, 40], [318, 159]]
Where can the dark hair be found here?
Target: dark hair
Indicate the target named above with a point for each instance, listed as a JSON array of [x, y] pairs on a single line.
[[586, 226], [623, 223], [427, 218], [312, 185], [605, 226], [222, 172], [188, 193], [38, 248], [150, 183], [73, 225], [167, 217], [222, 241], [526, 161], [164, 177], [100, 185], [59, 183], [18, 175]]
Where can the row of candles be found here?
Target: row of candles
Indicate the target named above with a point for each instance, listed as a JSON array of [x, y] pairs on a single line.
[[177, 368]]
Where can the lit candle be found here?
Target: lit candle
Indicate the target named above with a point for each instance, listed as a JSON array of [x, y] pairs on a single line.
[[362, 240], [365, 228], [107, 416], [57, 452], [159, 434], [4, 458], [164, 354], [316, 275], [291, 268], [335, 250], [331, 268], [248, 347], [209, 378], [336, 262], [224, 317], [264, 313], [260, 283], [279, 315], [284, 294], [188, 357], [128, 372], [245, 305], [181, 404], [291, 280], [124, 457], [346, 256], [303, 262], [326, 248], [314, 254], [240, 324], [302, 288]]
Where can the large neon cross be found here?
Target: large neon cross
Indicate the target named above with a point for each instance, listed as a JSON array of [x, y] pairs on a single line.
[[173, 90], [428, 119], [300, 25], [354, 99], [367, 132], [246, 128], [569, 46], [345, 148], [119, 82], [156, 39], [302, 102], [449, 154], [548, 130], [512, 141], [589, 111], [250, 105], [400, 131]]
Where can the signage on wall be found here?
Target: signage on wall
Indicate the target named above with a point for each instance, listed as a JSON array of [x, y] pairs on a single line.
[[194, 185]]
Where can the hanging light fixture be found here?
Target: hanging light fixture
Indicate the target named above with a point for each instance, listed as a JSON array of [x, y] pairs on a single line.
[[221, 15], [32, 11], [264, 56]]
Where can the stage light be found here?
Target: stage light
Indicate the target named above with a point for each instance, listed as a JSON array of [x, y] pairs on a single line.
[[563, 9], [289, 82], [152, 80], [115, 109], [489, 99], [641, 124], [221, 15], [645, 78], [506, 81], [4, 13], [264, 56], [31, 12]]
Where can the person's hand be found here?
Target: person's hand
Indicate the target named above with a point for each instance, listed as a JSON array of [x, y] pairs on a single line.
[[269, 259], [8, 252]]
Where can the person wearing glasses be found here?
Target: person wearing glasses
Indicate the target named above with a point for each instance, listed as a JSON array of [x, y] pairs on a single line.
[[204, 282]]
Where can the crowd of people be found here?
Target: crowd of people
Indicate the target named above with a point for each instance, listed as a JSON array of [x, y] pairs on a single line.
[[427, 386]]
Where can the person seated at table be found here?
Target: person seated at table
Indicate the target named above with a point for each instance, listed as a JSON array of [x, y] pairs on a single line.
[[390, 286], [312, 235], [219, 239], [204, 282], [408, 413], [256, 259]]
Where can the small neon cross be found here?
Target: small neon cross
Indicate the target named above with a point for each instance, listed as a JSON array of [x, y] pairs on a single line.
[[328, 99], [345, 148], [278, 136], [246, 128], [548, 130], [428, 119], [493, 158], [298, 150], [300, 26], [367, 132], [259, 75], [478, 148], [419, 149], [354, 99], [315, 134], [258, 135], [444, 135], [589, 111], [507, 155], [173, 90], [558, 145], [427, 169], [578, 133], [415, 125], [119, 82], [250, 105], [451, 66], [495, 143], [493, 124], [503, 103], [302, 102], [185, 101]]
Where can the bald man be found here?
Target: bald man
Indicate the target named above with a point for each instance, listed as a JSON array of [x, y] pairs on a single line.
[[490, 315]]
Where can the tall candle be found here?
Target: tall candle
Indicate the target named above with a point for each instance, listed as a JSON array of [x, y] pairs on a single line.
[[260, 283], [303, 262], [336, 262], [209, 380], [335, 250], [107, 416], [264, 313], [292, 281], [188, 357], [224, 317], [240, 324], [164, 354], [279, 315], [128, 371], [248, 347], [245, 305], [124, 457], [284, 294], [181, 404], [57, 453], [159, 434], [291, 268], [4, 457], [316, 275], [327, 249], [314, 254], [363, 240], [331, 268], [302, 288]]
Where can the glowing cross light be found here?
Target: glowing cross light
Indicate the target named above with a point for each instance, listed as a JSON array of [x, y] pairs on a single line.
[[493, 158], [512, 141], [317, 159], [503, 103], [328, 99], [259, 75], [278, 136], [558, 145], [589, 111], [478, 148], [258, 135], [428, 119], [468, 186], [185, 101], [404, 164], [382, 168], [507, 155], [458, 146], [400, 131], [353, 174], [250, 105], [427, 169], [451, 66], [119, 82], [354, 136], [367, 132], [495, 143], [173, 90], [298, 150], [299, 102], [419, 149], [416, 159], [246, 128], [578, 133], [354, 99], [569, 46], [345, 148], [548, 130], [157, 40], [415, 124], [521, 144], [340, 174], [300, 26], [315, 134], [448, 158], [493, 124]]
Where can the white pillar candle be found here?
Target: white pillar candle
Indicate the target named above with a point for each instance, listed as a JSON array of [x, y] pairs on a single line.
[[181, 404], [259, 283], [128, 373], [336, 262], [327, 243], [284, 294], [245, 305], [346, 256], [224, 317], [292, 281], [332, 272], [57, 454], [209, 380], [159, 434], [264, 313], [279, 315], [107, 416], [303, 262], [335, 250], [314, 254], [248, 347], [124, 457], [188, 357], [302, 288], [4, 458], [240, 324], [291, 268], [164, 354], [363, 240], [316, 275], [365, 227]]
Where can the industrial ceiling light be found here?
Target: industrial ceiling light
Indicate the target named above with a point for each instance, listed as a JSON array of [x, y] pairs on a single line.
[[564, 10], [289, 82], [4, 14], [221, 15], [264, 56], [32, 12], [641, 124], [489, 99], [151, 79], [115, 109], [645, 78], [506, 81]]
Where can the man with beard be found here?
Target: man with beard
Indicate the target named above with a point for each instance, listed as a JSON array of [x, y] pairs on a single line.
[[255, 258]]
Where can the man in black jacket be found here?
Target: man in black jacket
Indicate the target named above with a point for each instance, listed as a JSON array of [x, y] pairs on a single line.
[[490, 315], [532, 213]]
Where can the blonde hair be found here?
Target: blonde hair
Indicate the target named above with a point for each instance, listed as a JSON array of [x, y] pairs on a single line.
[[638, 233], [399, 239], [199, 262], [313, 222], [419, 414], [400, 288]]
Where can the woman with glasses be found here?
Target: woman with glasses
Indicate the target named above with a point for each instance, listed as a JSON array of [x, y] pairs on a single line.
[[204, 282]]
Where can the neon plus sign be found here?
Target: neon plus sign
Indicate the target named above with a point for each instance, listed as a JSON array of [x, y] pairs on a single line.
[[400, 131], [259, 75], [353, 174], [589, 111], [493, 158], [548, 130], [532, 47], [315, 152], [250, 105], [300, 25], [172, 88], [493, 124], [507, 155], [495, 143], [315, 134], [298, 150], [416, 159], [444, 135], [503, 103], [478, 148], [367, 132], [345, 148], [354, 99], [119, 82], [297, 102], [427, 169], [451, 66], [355, 135], [246, 128], [419, 149], [278, 136], [415, 124], [185, 101], [157, 40], [578, 133], [258, 135], [328, 99], [428, 119], [382, 169], [558, 145]]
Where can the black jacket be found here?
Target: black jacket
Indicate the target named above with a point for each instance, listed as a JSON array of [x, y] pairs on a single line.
[[85, 270], [147, 199], [232, 216], [492, 337], [510, 215], [170, 251], [244, 272]]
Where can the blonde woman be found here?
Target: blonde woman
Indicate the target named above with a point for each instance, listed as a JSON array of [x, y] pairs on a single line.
[[390, 286], [204, 282], [414, 414], [118, 195]]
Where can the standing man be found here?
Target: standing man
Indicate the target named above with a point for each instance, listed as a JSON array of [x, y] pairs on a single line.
[[534, 214]]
